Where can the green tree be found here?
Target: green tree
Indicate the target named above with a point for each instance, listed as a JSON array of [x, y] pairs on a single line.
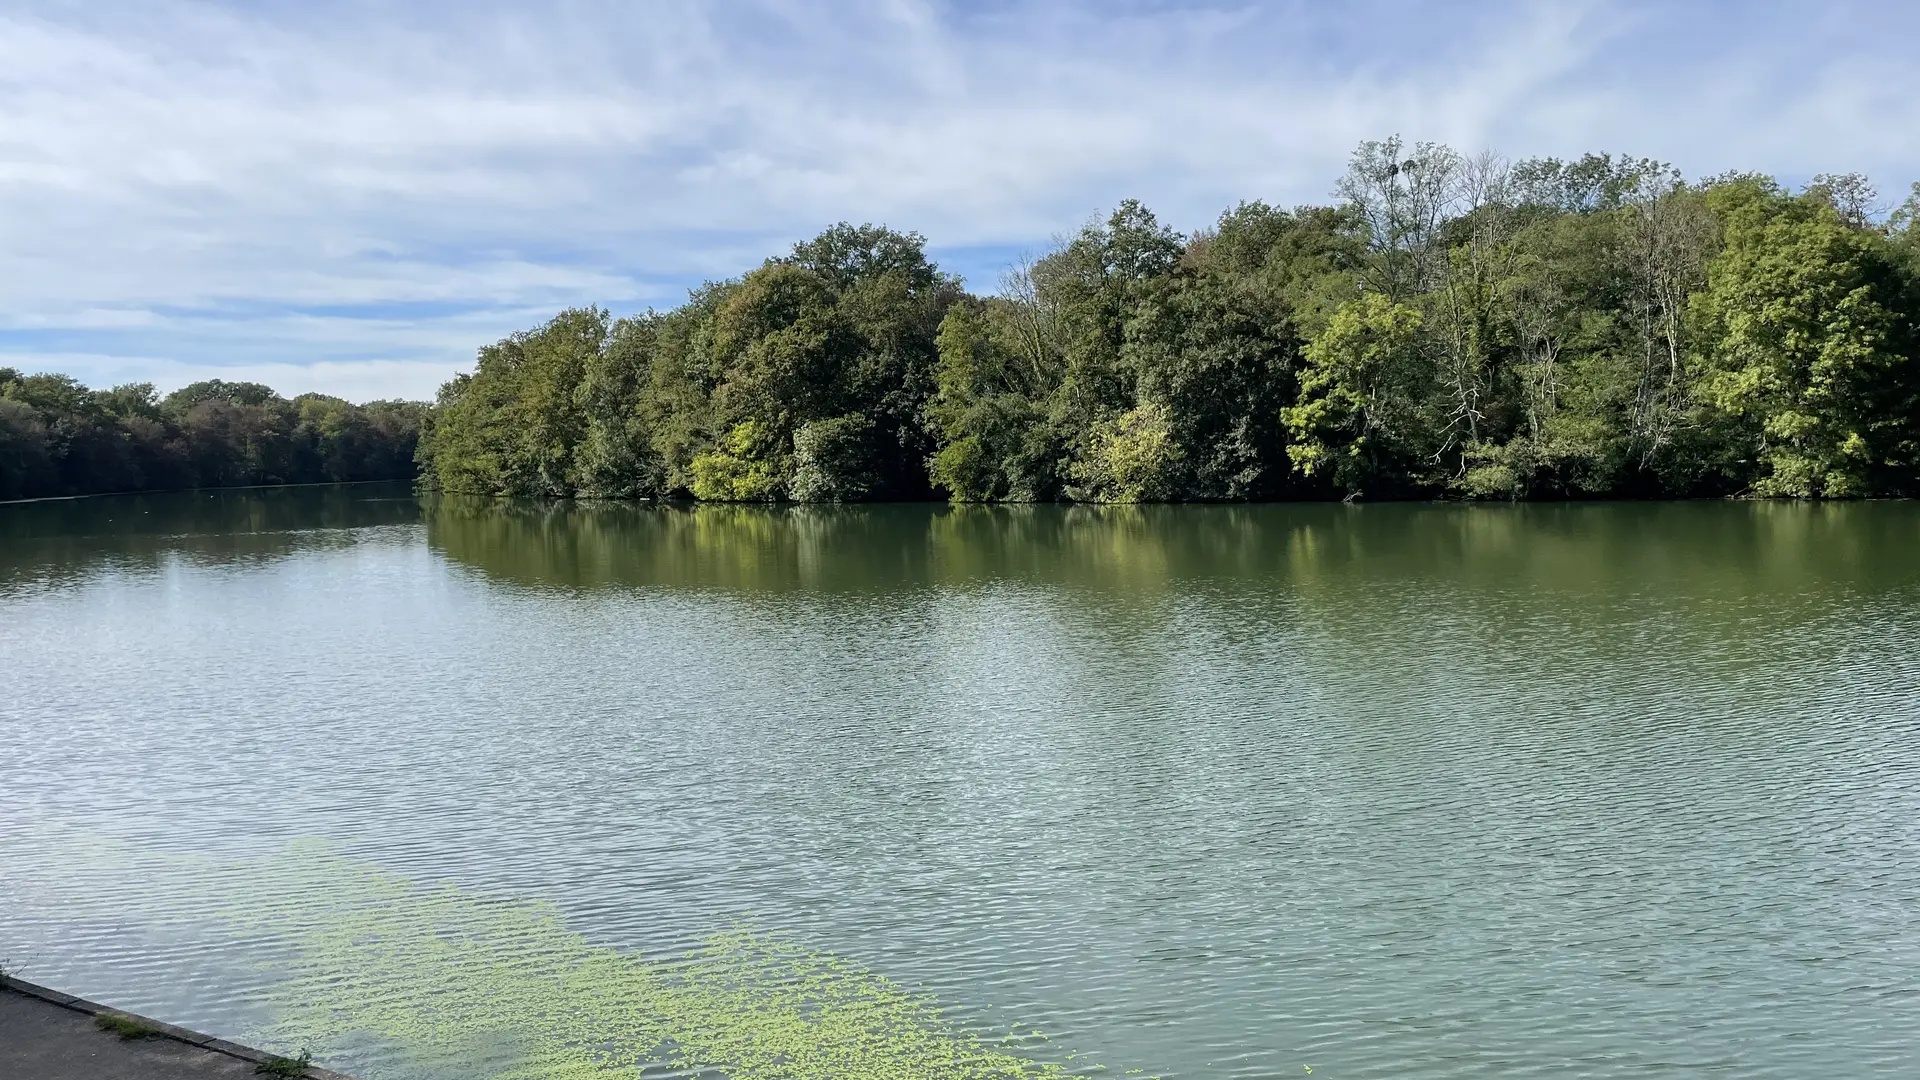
[[514, 425], [1454, 325], [26, 465], [987, 411], [1364, 414], [57, 437], [616, 457], [834, 460], [844, 327], [1807, 331], [1903, 228], [1215, 345]]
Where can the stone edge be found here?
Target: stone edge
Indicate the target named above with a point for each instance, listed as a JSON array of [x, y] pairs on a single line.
[[170, 1031]]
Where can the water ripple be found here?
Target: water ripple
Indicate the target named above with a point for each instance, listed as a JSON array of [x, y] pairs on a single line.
[[1390, 791]]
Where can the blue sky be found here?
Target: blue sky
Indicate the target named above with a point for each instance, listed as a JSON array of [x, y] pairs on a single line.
[[352, 198]]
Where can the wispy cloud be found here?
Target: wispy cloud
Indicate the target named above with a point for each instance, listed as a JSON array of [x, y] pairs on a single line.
[[356, 197]]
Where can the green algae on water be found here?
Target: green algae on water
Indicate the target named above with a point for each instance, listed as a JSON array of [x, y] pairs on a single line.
[[468, 984]]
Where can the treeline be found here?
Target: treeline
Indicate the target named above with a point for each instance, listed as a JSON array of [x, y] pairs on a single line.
[[1450, 327], [57, 437]]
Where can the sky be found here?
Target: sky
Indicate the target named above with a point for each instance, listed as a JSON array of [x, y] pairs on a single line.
[[352, 198]]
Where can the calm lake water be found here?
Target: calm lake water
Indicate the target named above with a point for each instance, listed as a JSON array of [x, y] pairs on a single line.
[[1387, 791]]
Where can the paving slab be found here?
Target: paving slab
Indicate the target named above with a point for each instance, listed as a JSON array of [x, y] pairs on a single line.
[[43, 1037]]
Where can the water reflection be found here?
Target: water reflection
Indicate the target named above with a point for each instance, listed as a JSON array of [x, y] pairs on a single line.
[[1699, 547], [63, 539]]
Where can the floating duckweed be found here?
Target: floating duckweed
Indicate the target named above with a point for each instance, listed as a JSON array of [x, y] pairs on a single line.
[[495, 987]]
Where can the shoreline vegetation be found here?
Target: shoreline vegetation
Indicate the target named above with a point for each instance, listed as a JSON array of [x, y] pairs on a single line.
[[1451, 327], [60, 440]]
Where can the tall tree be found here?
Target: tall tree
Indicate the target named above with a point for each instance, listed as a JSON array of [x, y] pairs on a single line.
[[1807, 330]]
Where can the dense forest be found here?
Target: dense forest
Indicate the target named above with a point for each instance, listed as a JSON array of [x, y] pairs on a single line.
[[1451, 326], [57, 437]]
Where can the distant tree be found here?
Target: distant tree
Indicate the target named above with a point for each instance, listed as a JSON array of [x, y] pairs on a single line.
[[57, 437]]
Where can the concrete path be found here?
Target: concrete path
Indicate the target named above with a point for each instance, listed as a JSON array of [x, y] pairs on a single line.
[[46, 1035]]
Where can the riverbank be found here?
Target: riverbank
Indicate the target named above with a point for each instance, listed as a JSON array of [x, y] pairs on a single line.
[[48, 1035]]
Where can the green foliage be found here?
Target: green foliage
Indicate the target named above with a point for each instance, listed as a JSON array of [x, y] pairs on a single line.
[[1131, 458], [616, 458], [745, 467], [241, 393], [514, 426], [1360, 416], [59, 438], [994, 440], [1454, 326], [1807, 346], [26, 458], [1903, 228], [834, 460], [806, 378]]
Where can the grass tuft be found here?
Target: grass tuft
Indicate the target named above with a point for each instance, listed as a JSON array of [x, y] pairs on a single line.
[[127, 1027], [292, 1068]]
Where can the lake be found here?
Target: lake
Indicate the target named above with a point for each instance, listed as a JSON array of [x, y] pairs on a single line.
[[451, 787]]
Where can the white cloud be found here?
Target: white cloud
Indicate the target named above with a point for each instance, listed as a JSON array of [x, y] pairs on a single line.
[[279, 186]]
